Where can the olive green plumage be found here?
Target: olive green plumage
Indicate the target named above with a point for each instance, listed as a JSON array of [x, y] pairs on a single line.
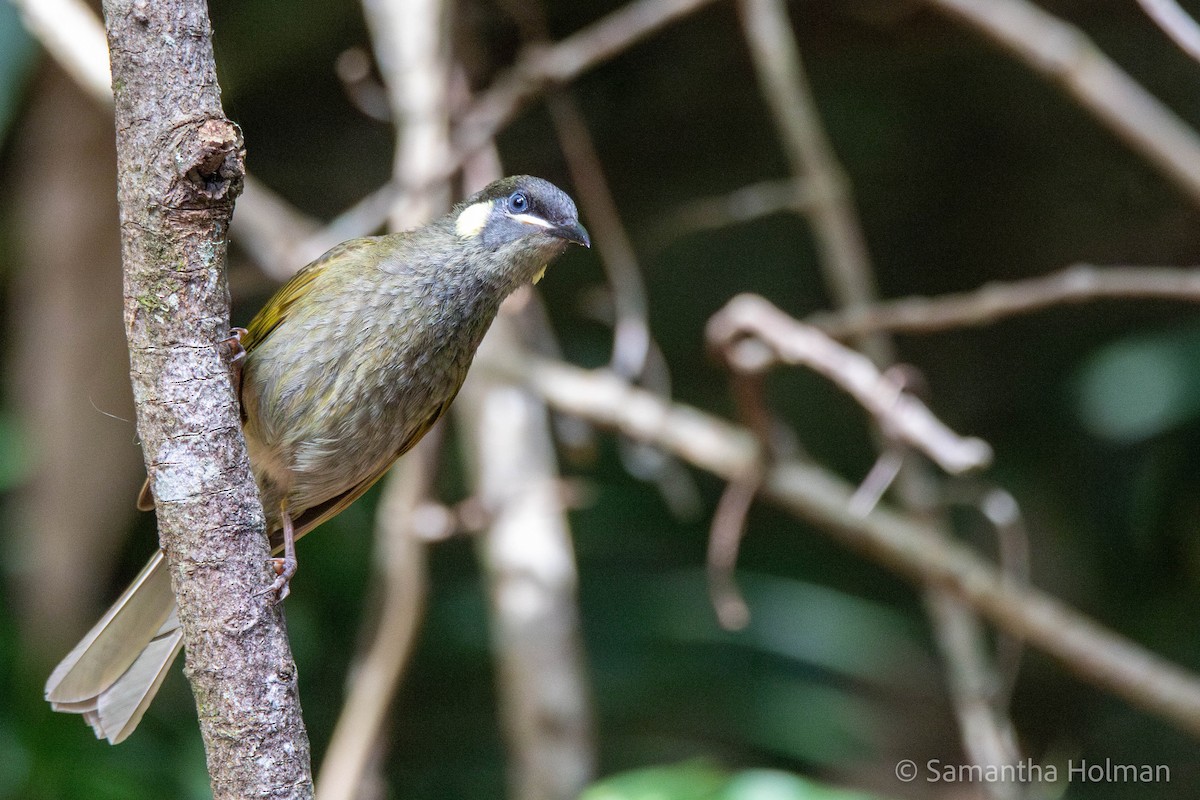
[[346, 368]]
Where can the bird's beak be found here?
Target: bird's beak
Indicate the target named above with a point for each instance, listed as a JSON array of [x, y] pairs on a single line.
[[572, 232]]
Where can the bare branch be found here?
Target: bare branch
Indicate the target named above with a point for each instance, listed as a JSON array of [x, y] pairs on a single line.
[[1065, 55], [411, 41], [837, 231], [900, 415], [985, 729], [1176, 23], [907, 544], [839, 237], [401, 560], [993, 302], [73, 34], [527, 557]]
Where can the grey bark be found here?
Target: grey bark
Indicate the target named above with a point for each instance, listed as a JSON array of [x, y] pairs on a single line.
[[180, 166]]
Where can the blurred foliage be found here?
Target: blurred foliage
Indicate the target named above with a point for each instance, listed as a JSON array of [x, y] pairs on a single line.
[[966, 168], [17, 55], [699, 781], [14, 451], [1141, 387]]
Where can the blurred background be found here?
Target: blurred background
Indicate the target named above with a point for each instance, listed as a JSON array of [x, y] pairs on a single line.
[[966, 167]]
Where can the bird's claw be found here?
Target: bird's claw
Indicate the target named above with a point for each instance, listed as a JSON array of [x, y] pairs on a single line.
[[284, 568], [231, 345], [233, 351]]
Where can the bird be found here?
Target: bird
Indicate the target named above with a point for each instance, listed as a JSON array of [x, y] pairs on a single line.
[[344, 369]]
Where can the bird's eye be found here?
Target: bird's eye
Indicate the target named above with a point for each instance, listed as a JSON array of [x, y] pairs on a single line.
[[518, 202]]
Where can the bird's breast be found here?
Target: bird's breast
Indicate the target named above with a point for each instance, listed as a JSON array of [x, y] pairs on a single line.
[[330, 400]]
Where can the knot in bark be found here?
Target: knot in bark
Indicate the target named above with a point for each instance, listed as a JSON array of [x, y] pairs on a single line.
[[210, 163]]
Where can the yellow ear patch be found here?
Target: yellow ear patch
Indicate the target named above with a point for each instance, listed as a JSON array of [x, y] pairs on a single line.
[[541, 273], [472, 219]]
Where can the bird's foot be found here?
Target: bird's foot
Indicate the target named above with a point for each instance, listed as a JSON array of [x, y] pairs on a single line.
[[232, 351], [284, 568], [231, 346]]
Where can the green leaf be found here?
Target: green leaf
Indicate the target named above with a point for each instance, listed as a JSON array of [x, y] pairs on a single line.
[[769, 784], [1141, 386], [691, 780], [700, 780]]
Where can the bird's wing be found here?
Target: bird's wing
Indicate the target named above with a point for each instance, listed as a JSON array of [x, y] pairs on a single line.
[[279, 306], [314, 516], [271, 315]]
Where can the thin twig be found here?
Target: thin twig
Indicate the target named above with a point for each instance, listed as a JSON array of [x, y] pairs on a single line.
[[830, 207], [674, 483], [986, 731], [724, 541], [741, 205], [353, 68], [901, 416], [1065, 55], [842, 247], [879, 479], [560, 63], [631, 327], [748, 364], [907, 544], [1003, 513], [993, 302]]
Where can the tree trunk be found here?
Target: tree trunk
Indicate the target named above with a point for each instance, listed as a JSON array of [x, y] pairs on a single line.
[[180, 166]]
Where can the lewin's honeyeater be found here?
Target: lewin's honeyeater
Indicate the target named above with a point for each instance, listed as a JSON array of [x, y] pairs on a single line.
[[345, 369]]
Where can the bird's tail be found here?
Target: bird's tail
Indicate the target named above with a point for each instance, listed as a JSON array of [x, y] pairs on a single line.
[[113, 673]]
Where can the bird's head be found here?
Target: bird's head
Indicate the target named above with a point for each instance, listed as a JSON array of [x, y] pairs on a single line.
[[528, 217]]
